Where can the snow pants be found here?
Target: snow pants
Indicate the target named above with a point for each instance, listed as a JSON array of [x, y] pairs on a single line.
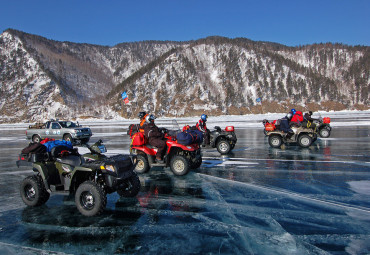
[[160, 145]]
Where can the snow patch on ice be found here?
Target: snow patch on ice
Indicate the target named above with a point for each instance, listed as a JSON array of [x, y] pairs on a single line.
[[361, 187]]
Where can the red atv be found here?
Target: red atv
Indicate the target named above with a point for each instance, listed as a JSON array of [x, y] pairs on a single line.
[[180, 158]]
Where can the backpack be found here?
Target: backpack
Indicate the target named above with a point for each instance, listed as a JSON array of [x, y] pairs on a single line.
[[34, 148], [51, 144], [197, 136], [62, 150], [184, 138], [189, 137], [35, 152], [133, 129], [270, 127]]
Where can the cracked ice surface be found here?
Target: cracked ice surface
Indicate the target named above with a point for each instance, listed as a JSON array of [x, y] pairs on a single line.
[[256, 200]]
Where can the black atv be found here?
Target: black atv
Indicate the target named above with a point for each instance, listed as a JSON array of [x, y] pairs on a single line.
[[89, 177], [223, 140]]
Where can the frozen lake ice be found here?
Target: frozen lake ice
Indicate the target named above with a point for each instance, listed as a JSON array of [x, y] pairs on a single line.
[[256, 200]]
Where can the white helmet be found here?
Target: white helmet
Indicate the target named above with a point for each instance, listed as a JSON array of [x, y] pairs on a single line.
[[150, 118]]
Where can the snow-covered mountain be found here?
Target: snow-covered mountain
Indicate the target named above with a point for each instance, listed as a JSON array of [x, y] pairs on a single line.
[[41, 78]]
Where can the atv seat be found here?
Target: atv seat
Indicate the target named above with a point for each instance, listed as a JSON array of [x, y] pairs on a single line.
[[71, 160]]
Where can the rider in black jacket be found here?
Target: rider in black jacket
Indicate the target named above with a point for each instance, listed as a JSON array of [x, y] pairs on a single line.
[[155, 137]]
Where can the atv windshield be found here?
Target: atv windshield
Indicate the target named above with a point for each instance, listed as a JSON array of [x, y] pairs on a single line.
[[175, 125]]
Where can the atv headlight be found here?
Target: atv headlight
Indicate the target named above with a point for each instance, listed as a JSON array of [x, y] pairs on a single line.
[[102, 148], [108, 168]]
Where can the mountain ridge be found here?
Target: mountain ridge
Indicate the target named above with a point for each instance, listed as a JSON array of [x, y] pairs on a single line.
[[217, 75]]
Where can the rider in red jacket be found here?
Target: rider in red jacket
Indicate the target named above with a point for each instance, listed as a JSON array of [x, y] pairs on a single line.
[[297, 118], [202, 126]]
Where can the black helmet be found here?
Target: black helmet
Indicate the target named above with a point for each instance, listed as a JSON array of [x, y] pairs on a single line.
[[310, 113], [142, 115]]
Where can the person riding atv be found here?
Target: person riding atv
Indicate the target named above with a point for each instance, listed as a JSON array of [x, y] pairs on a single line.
[[180, 158], [289, 134], [202, 127], [155, 137], [223, 140], [89, 177]]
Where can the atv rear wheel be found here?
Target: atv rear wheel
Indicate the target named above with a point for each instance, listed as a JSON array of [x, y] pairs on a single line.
[[275, 141], [33, 191], [324, 133], [36, 139], [223, 147], [142, 165], [90, 199], [132, 187], [304, 140], [67, 138], [179, 165]]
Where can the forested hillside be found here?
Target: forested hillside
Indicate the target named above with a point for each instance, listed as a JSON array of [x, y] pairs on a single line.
[[42, 78]]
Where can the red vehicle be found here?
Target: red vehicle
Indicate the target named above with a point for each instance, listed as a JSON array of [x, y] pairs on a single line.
[[180, 158]]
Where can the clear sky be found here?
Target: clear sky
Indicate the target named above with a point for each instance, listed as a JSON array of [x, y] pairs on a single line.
[[109, 22]]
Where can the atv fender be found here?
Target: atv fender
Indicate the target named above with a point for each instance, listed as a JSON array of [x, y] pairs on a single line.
[[219, 138], [173, 144], [214, 136], [43, 171], [145, 150], [275, 133], [77, 177]]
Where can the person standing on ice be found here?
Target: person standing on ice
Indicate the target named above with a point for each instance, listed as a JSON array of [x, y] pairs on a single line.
[[202, 127], [155, 137]]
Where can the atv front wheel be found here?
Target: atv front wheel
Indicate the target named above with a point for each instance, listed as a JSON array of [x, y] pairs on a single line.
[[223, 147], [132, 187], [324, 133], [33, 191], [304, 141], [179, 165], [275, 141], [142, 165], [90, 199]]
